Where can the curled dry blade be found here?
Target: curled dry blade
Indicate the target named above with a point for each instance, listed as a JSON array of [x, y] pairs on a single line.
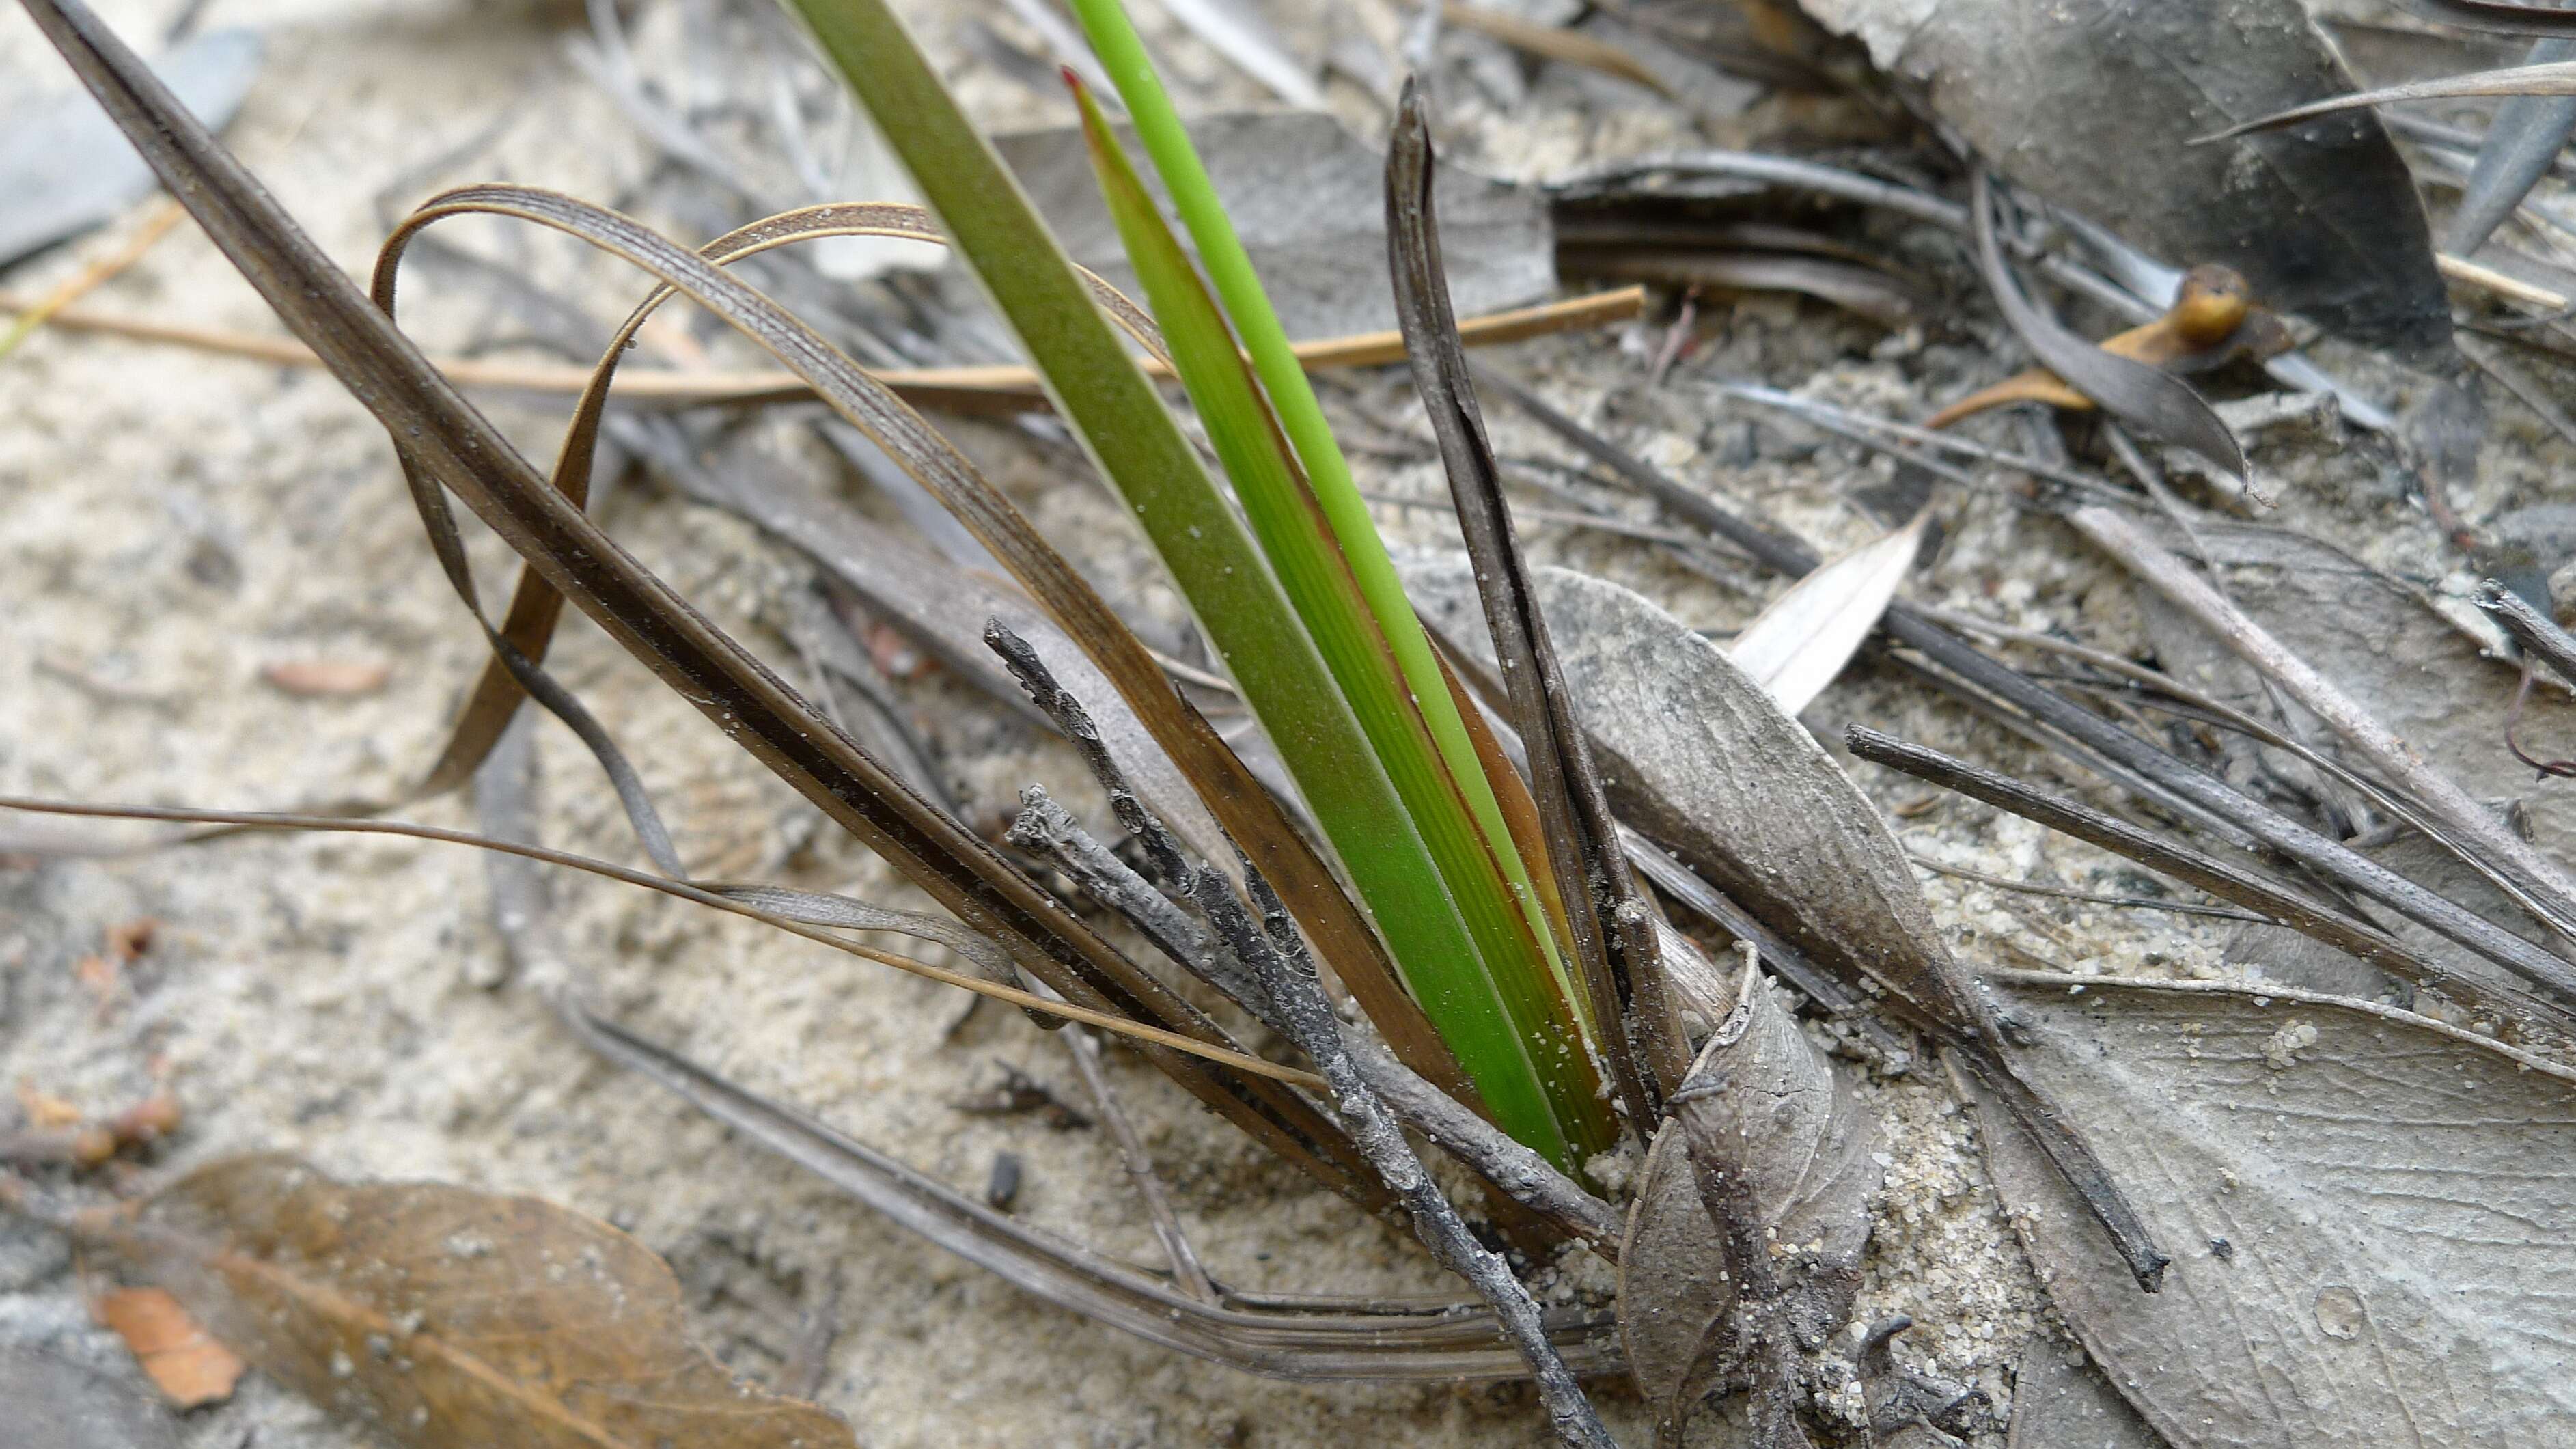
[[1761, 1094], [445, 443], [2154, 401]]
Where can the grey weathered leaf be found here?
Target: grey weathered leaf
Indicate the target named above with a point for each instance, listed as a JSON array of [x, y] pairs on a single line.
[[1697, 756], [2092, 104], [1806, 1143], [1307, 199], [2372, 1212], [64, 167], [53, 1403], [1801, 642], [2063, 1405]]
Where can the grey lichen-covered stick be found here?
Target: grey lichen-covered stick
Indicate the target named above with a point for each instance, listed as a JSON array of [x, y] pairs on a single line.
[[1045, 827]]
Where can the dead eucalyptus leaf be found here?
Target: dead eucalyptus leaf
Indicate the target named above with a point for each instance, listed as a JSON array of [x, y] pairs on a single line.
[[2371, 1209], [1307, 199], [1801, 642], [1794, 1127], [442, 1317], [53, 1403], [188, 1365], [2058, 1404], [1697, 756], [64, 167], [2092, 104]]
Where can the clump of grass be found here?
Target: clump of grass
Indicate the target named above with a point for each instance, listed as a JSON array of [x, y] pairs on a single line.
[[1303, 605]]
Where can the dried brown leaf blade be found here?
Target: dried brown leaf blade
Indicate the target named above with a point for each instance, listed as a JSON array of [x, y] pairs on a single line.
[[1611, 930], [2374, 1210], [1801, 642], [1778, 1108], [442, 1317]]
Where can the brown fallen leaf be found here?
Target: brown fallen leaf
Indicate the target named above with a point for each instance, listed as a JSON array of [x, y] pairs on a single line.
[[187, 1364], [326, 678], [443, 1317]]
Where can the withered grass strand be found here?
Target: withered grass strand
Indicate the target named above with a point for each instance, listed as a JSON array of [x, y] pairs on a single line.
[[1612, 929], [264, 820], [1317, 1340], [444, 443], [2268, 898]]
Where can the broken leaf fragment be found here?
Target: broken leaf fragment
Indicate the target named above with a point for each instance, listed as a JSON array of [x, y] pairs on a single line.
[[187, 1364], [443, 1317]]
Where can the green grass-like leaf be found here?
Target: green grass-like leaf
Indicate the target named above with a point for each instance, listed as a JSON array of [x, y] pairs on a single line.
[[1336, 569], [1240, 602]]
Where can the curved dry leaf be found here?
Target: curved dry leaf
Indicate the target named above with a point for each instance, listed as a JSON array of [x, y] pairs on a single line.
[[2498, 15], [1697, 756], [2062, 1405], [2148, 398], [1801, 642], [2093, 104], [2373, 1209], [445, 1318], [57, 1404], [1802, 1137]]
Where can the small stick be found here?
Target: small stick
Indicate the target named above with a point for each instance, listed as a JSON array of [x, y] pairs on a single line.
[[2535, 631], [1517, 1172], [2171, 577], [157, 223], [1005, 388], [2035, 888]]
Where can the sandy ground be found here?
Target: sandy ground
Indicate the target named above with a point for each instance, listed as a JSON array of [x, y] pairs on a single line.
[[172, 524]]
